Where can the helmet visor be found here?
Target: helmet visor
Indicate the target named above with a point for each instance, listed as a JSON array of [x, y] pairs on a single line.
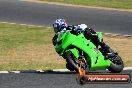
[[56, 29]]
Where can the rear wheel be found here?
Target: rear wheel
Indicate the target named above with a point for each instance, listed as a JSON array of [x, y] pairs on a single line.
[[117, 64]]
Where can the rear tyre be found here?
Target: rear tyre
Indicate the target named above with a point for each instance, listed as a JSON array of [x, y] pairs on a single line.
[[117, 64]]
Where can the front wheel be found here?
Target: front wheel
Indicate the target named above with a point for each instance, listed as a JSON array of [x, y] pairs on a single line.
[[69, 66], [74, 62], [117, 64], [71, 61]]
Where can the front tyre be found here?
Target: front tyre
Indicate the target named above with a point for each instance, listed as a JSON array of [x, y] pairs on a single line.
[[71, 60], [69, 67], [117, 64]]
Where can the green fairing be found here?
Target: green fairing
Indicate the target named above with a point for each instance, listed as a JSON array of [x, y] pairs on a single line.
[[67, 41]]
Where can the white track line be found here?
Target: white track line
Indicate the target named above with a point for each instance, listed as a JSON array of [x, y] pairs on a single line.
[[15, 71], [32, 25], [39, 26], [49, 27], [4, 22], [13, 23], [61, 70], [118, 35], [54, 70], [127, 68], [4, 71], [23, 24], [40, 70]]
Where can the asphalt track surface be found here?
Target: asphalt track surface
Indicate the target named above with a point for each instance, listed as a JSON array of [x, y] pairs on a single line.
[[110, 21], [52, 80]]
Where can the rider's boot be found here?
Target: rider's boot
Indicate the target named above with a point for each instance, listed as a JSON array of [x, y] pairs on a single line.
[[109, 53]]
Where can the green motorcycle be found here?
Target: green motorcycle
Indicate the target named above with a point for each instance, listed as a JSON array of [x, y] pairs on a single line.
[[80, 52]]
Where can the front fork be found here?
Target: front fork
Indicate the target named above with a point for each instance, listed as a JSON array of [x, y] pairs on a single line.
[[81, 71]]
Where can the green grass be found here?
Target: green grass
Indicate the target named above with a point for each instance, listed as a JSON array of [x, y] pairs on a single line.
[[15, 35], [26, 47], [125, 4]]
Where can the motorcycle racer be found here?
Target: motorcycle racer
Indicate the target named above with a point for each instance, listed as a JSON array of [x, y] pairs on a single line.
[[60, 25]]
